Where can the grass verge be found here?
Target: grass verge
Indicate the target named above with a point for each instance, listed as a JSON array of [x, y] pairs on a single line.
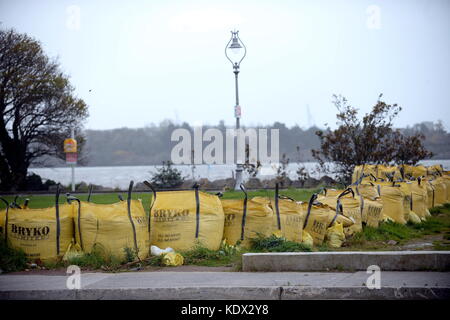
[[377, 238]]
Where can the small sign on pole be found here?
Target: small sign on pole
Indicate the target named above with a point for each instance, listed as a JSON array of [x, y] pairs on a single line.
[[71, 158], [237, 111], [70, 145], [70, 148]]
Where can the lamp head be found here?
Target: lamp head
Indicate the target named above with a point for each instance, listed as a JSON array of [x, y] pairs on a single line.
[[235, 50]]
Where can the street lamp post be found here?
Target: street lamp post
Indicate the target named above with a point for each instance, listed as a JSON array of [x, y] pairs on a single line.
[[235, 51]]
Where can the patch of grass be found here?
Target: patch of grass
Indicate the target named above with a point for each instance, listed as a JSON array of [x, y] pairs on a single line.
[[155, 261], [297, 194], [441, 245], [432, 225], [202, 256], [96, 260], [11, 259], [54, 264], [130, 254], [323, 248], [372, 237], [46, 201], [275, 244], [445, 208]]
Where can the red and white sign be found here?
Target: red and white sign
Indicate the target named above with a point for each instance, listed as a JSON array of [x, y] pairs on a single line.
[[71, 158], [237, 111]]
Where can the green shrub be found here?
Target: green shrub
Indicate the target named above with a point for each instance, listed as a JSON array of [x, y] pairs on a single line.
[[276, 244], [167, 176], [11, 259]]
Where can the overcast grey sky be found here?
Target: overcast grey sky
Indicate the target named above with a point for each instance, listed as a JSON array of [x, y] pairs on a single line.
[[146, 61]]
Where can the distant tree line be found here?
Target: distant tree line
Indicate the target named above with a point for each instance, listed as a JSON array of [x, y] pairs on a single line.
[[151, 145]]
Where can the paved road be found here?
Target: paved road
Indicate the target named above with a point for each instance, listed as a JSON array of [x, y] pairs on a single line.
[[228, 285]]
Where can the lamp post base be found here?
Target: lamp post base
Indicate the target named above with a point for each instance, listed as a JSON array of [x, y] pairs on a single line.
[[239, 177]]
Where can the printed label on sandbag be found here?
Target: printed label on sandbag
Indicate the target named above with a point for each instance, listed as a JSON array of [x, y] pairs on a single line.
[[164, 215], [29, 233]]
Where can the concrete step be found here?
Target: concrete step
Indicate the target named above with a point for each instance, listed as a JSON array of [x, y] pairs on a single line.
[[347, 261]]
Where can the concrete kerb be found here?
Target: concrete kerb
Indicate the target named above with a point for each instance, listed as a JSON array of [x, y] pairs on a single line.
[[234, 293], [347, 261]]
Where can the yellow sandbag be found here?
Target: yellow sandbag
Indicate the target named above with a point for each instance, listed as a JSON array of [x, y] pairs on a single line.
[[414, 218], [393, 199], [317, 223], [318, 218], [357, 172], [430, 193], [335, 235], [419, 199], [290, 221], [419, 171], [257, 221], [440, 191], [414, 171], [307, 239], [172, 259], [446, 179], [351, 208], [112, 229], [370, 171], [2, 223], [74, 251], [372, 212], [367, 190], [39, 233], [288, 217], [330, 193], [436, 168], [364, 173], [406, 188], [371, 203], [388, 172], [183, 219]]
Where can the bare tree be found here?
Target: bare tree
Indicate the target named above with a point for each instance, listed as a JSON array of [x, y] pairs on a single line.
[[37, 104], [371, 139], [409, 148]]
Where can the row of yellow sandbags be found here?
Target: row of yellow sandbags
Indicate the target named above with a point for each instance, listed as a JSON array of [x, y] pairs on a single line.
[[304, 222], [46, 234], [178, 219], [369, 172]]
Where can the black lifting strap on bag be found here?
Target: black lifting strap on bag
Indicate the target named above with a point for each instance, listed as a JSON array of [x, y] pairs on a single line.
[[339, 210], [244, 213], [277, 208], [197, 210], [339, 204], [347, 191], [310, 204], [69, 200], [58, 224], [148, 184], [6, 218], [361, 199], [131, 218]]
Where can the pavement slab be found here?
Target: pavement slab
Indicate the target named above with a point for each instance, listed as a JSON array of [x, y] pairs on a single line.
[[229, 285]]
